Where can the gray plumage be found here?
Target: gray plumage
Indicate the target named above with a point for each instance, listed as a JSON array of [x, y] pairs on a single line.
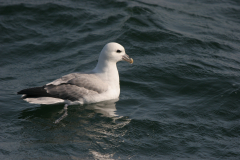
[[71, 87]]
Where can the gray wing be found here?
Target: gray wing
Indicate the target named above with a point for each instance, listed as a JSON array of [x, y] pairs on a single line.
[[75, 86]]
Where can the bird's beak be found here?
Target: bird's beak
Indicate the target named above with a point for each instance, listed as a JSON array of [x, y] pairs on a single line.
[[126, 58]]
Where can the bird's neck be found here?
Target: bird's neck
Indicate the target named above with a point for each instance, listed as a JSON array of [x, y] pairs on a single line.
[[108, 72]]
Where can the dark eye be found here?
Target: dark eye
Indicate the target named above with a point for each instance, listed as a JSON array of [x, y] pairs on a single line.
[[119, 51]]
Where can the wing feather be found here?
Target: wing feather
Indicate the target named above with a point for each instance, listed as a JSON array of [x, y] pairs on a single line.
[[68, 91], [88, 81], [75, 86]]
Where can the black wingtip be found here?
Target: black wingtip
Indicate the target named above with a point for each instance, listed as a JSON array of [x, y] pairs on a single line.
[[34, 92], [20, 92]]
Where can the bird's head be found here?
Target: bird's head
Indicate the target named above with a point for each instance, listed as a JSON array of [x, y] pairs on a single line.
[[114, 52]]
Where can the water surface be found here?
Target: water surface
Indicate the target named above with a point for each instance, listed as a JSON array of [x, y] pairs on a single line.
[[179, 100]]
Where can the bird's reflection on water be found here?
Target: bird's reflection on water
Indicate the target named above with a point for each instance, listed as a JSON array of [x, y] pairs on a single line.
[[104, 109], [89, 128]]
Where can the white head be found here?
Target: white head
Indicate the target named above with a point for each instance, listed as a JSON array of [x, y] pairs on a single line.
[[114, 52]]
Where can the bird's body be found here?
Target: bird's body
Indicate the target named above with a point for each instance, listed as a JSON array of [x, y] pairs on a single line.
[[100, 84]]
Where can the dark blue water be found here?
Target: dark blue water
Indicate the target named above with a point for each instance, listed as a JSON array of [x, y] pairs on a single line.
[[179, 100]]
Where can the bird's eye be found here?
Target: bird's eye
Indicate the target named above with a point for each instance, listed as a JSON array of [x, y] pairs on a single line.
[[119, 51]]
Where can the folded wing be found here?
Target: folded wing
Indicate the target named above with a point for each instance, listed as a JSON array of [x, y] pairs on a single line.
[[69, 87]]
